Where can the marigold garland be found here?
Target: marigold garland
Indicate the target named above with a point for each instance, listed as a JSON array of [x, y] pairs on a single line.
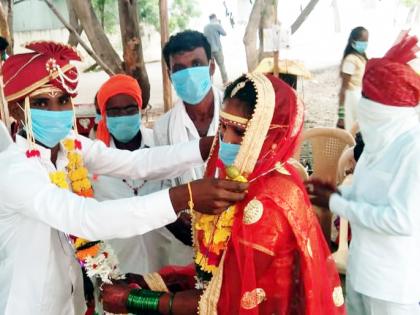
[[213, 232], [96, 257]]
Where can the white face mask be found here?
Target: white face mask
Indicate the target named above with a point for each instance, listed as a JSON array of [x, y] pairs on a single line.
[[381, 125]]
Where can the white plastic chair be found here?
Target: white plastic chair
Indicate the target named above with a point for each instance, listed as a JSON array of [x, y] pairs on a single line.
[[327, 145], [300, 169]]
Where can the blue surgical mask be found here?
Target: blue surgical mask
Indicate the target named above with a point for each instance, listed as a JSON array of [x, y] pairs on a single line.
[[228, 152], [124, 128], [98, 118], [192, 84], [50, 127], [360, 46]]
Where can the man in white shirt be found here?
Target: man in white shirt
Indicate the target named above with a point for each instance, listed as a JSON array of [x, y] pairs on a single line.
[[39, 273], [382, 205], [120, 103], [196, 114]]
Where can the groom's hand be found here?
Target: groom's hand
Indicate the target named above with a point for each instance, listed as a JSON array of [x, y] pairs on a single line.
[[114, 297], [209, 195]]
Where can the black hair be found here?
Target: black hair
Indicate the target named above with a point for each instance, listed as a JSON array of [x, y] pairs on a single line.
[[212, 16], [355, 34], [96, 104], [246, 94], [185, 41], [3, 44]]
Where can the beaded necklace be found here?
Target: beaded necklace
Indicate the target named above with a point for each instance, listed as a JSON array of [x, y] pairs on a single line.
[[133, 188]]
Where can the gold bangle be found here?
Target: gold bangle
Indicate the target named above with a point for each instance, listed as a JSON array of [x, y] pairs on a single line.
[[190, 202], [155, 282]]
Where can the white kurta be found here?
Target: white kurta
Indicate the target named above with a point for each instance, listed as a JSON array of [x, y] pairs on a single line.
[[177, 127], [38, 273], [382, 206], [142, 253]]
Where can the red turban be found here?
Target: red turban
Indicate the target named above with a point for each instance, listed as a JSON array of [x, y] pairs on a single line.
[[390, 80], [49, 63], [117, 84]]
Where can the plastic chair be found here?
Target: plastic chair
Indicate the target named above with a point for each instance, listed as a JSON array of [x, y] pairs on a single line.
[[300, 169], [327, 145], [346, 164]]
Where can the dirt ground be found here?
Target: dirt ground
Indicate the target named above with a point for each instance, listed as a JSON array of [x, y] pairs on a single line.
[[320, 96]]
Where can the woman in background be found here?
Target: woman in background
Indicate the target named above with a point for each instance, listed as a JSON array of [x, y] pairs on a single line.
[[352, 69]]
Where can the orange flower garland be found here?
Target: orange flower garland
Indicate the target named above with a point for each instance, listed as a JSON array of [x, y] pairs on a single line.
[[212, 232]]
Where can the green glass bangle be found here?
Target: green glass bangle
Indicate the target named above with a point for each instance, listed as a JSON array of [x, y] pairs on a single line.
[[141, 301]]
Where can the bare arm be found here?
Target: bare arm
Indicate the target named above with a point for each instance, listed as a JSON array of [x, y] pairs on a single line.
[[184, 303], [345, 81]]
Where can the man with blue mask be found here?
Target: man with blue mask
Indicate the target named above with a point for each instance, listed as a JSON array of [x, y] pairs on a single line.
[[44, 198], [120, 103], [195, 114]]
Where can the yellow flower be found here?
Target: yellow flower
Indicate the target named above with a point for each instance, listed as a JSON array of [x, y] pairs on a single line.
[[216, 229], [75, 160], [76, 186], [201, 260], [59, 178], [69, 144], [80, 242], [78, 174], [80, 185]]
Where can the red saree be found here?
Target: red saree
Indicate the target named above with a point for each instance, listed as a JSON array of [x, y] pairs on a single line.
[[276, 260]]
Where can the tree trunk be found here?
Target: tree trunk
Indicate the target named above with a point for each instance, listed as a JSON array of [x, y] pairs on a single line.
[[74, 22], [417, 16], [102, 12], [337, 18], [268, 19], [164, 35], [96, 35], [303, 15], [132, 46], [79, 39], [6, 23], [250, 37]]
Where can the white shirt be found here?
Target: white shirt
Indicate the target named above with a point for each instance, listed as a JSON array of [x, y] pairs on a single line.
[[382, 206], [141, 253], [38, 273], [176, 126]]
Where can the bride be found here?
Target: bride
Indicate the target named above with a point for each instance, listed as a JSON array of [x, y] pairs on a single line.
[[264, 255]]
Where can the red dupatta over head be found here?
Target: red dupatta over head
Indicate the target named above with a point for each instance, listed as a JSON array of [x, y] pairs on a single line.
[[276, 261]]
